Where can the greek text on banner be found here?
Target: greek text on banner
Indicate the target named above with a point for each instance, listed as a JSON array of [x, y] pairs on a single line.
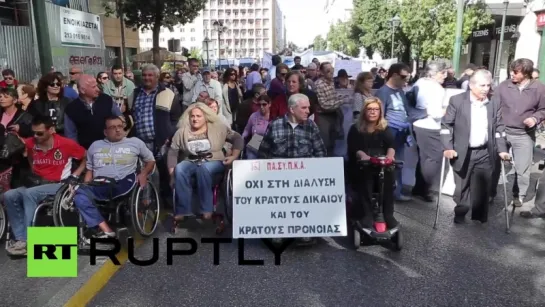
[[289, 198]]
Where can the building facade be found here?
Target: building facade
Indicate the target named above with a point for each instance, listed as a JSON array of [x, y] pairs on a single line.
[[252, 27], [112, 36]]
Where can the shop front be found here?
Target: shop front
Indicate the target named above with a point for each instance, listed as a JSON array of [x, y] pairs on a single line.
[[485, 44]]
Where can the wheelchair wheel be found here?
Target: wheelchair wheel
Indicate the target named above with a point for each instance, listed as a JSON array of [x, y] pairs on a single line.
[[228, 201], [64, 210], [140, 209], [3, 223]]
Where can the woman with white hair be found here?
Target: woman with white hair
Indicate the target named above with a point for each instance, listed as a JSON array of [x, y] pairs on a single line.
[[200, 133]]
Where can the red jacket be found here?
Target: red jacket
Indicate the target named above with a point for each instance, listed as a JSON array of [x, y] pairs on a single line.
[[3, 83], [279, 107]]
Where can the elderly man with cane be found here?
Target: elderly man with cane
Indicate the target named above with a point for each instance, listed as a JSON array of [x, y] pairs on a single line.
[[473, 138]]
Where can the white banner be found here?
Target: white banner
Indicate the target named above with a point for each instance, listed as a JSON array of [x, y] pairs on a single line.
[[289, 198], [80, 29]]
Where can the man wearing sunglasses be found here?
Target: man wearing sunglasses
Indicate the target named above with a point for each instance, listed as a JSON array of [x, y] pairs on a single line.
[[51, 158], [9, 79], [393, 101]]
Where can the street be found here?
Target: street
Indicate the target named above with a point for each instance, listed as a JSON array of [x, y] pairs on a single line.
[[467, 265]]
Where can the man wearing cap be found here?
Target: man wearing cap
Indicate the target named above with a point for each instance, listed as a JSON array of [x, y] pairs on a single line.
[[343, 80]]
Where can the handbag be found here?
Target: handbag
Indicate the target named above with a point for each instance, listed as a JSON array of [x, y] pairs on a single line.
[[255, 142], [12, 144]]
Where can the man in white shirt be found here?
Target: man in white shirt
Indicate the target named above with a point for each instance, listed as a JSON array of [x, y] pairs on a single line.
[[426, 118], [473, 140]]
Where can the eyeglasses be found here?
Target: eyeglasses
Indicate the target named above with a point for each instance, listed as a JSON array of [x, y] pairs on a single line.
[[117, 127], [372, 110], [55, 84], [105, 78], [38, 133], [404, 76], [263, 104]]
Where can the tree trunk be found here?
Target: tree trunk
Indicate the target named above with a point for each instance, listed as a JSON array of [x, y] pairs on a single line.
[[156, 30]]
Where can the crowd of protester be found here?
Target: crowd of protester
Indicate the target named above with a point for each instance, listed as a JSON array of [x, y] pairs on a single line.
[[279, 112]]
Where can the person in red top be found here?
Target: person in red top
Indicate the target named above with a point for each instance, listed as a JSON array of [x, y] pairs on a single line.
[[295, 84], [50, 156]]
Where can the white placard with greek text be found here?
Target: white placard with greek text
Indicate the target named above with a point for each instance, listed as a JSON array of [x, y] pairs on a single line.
[[80, 29], [289, 198]]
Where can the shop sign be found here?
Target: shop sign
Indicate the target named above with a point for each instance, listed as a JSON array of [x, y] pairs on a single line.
[[481, 35], [508, 31], [85, 60], [541, 20], [80, 29]]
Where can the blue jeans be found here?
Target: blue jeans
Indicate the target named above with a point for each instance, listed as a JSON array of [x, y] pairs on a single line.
[[400, 138], [86, 206], [21, 204], [204, 175], [251, 154]]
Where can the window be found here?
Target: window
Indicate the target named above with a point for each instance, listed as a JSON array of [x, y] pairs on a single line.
[[182, 39], [162, 39], [265, 13], [265, 22], [266, 33], [192, 29], [182, 30], [162, 30], [206, 12], [149, 40], [192, 39], [213, 14]]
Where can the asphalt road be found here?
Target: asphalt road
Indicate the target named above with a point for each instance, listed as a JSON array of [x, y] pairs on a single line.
[[467, 265]]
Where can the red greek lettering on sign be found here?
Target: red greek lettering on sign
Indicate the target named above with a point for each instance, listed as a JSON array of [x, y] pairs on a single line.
[[85, 60]]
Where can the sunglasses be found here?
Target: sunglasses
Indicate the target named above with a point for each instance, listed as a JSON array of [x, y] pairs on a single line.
[[233, 74], [38, 133], [73, 73], [283, 74], [168, 77], [263, 104], [105, 78], [8, 78], [55, 84]]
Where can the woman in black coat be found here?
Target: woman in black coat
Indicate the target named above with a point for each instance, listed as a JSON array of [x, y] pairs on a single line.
[[14, 120], [51, 101]]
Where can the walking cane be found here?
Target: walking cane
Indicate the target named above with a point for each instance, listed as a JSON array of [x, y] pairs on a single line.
[[507, 227], [440, 192]]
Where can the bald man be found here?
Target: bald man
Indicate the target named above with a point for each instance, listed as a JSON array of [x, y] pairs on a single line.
[[86, 116], [75, 74]]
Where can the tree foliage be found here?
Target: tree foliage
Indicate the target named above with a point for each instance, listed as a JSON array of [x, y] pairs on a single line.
[[339, 39], [154, 14], [319, 43], [428, 27]]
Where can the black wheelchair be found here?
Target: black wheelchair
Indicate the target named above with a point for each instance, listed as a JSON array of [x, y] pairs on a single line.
[[222, 191], [123, 211]]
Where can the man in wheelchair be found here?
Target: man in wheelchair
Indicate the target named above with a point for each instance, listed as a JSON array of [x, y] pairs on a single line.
[[114, 161], [51, 158]]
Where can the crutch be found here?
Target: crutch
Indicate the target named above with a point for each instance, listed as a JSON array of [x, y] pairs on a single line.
[[440, 192], [507, 227]]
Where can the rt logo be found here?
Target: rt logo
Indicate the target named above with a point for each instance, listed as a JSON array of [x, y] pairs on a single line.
[[52, 252]]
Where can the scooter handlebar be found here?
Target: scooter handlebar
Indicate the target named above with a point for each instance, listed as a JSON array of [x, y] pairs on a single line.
[[381, 162]]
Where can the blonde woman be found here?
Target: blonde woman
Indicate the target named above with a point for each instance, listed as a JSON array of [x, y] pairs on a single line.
[[369, 137], [362, 90], [200, 132]]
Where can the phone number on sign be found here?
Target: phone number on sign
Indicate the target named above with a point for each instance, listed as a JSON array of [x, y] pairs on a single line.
[[69, 35]]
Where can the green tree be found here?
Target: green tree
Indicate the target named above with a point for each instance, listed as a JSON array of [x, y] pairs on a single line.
[[340, 39], [195, 53], [154, 14], [319, 43], [430, 25], [371, 26]]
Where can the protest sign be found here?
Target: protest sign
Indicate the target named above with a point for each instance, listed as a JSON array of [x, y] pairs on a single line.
[[289, 198], [352, 67]]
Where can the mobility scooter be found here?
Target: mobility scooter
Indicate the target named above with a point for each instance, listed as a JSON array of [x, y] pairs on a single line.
[[378, 234]]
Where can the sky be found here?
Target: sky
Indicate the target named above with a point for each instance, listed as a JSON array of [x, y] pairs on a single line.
[[301, 28]]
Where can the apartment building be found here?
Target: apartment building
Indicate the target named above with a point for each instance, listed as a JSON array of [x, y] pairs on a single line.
[[252, 26]]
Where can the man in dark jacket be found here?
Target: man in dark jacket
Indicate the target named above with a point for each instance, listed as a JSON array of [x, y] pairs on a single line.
[[472, 137], [85, 117], [523, 108]]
